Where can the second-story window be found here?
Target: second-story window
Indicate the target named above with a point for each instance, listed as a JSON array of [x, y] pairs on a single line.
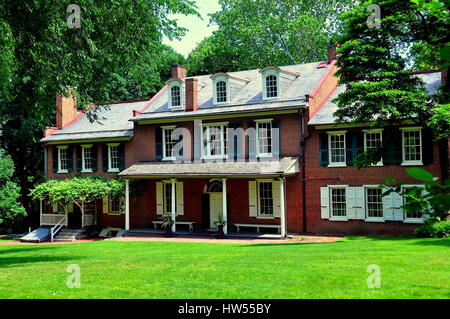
[[86, 151], [412, 146], [336, 143], [168, 143], [271, 86], [214, 141], [264, 138], [221, 92], [372, 140], [63, 161], [113, 157]]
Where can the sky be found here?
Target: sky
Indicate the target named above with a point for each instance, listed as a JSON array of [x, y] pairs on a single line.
[[198, 28]]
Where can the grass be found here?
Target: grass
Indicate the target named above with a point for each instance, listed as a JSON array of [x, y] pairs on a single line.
[[410, 268]]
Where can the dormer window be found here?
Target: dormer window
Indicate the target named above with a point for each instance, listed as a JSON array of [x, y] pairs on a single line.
[[175, 92], [271, 86], [221, 92]]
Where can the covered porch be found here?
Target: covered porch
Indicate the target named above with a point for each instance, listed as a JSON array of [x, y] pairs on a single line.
[[250, 197]]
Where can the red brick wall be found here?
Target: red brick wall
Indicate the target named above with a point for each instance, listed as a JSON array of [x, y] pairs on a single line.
[[320, 176]]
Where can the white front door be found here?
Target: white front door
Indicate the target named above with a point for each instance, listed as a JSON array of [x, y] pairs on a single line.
[[215, 208]]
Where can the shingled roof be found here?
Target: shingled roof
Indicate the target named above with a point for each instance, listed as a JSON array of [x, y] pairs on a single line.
[[325, 114]]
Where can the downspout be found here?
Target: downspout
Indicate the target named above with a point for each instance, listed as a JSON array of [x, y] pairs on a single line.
[[302, 163]]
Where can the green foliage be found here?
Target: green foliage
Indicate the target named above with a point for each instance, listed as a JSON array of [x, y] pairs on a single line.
[[254, 34], [433, 200], [167, 220], [77, 189], [434, 230], [440, 121], [116, 55], [11, 210]]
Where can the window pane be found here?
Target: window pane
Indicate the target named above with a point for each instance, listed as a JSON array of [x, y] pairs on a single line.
[[63, 159], [221, 91], [214, 140], [168, 197], [338, 202], [265, 198], [87, 158], [115, 204], [374, 202], [175, 94], [337, 148], [168, 143], [271, 86], [114, 157], [265, 138], [413, 215]]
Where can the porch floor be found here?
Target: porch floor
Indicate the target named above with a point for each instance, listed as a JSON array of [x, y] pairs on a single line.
[[149, 232]]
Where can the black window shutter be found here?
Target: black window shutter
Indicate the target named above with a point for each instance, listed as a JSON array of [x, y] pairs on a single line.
[[105, 157], [55, 159], [251, 138], [78, 156], [392, 150], [237, 140], [276, 137], [358, 143], [121, 151], [94, 152], [70, 159], [427, 146], [349, 148], [158, 144], [180, 152], [323, 141]]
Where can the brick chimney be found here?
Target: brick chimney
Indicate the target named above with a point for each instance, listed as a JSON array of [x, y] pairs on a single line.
[[191, 94], [66, 109], [332, 52], [178, 71]]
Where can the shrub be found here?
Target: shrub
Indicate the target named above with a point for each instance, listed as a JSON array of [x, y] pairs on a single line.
[[434, 230]]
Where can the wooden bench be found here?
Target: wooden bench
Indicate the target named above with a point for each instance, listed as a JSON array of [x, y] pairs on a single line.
[[258, 226], [159, 222]]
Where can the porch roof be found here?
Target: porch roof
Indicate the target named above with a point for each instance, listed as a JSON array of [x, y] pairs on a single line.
[[286, 166]]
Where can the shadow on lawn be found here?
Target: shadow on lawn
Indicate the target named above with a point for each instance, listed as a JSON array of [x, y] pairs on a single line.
[[21, 249], [15, 261]]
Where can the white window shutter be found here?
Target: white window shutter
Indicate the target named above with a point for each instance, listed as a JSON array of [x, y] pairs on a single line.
[[252, 205], [397, 201], [276, 198], [324, 203], [105, 204], [350, 198], [359, 203], [159, 198], [388, 206], [180, 198]]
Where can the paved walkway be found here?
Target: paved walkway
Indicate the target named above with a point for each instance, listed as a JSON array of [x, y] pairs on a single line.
[[294, 240]]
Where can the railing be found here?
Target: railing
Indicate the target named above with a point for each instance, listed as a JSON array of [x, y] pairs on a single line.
[[52, 219], [88, 220], [57, 227]]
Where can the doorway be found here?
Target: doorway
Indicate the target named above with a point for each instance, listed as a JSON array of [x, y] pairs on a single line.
[[213, 190]]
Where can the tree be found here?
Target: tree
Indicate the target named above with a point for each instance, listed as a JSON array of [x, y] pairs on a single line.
[[115, 54], [372, 65], [254, 34], [11, 210]]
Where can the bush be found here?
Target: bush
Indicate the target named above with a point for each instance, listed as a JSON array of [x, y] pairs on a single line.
[[434, 230]]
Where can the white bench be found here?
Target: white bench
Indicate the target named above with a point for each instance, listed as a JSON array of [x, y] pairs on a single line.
[[159, 222], [258, 226]]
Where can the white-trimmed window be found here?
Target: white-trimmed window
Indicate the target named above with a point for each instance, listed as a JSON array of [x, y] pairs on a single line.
[[168, 142], [338, 203], [113, 157], [168, 197], [336, 146], [271, 84], [265, 196], [373, 139], [411, 217], [63, 159], [412, 145], [175, 94], [214, 140], [374, 204], [113, 205], [86, 158], [264, 137]]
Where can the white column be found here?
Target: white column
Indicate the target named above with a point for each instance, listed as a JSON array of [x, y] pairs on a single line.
[[224, 205], [282, 209], [127, 204], [40, 212], [173, 204]]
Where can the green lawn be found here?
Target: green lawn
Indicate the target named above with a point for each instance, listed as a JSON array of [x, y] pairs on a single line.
[[410, 268]]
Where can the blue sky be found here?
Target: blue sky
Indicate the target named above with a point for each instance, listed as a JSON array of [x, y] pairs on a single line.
[[198, 28]]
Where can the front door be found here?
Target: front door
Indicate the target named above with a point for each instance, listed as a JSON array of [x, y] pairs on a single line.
[[215, 208]]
